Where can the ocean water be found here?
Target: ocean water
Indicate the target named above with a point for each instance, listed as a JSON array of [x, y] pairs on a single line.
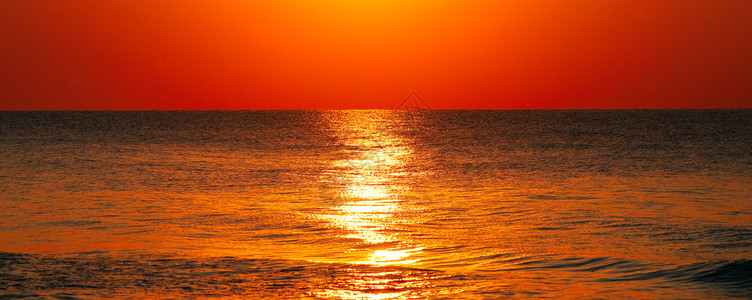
[[376, 204]]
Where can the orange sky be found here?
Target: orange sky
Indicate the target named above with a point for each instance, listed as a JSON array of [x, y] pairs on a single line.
[[336, 54]]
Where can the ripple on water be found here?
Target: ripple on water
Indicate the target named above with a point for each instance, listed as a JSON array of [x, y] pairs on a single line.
[[100, 275]]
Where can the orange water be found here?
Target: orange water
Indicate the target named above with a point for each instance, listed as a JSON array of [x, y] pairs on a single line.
[[377, 204]]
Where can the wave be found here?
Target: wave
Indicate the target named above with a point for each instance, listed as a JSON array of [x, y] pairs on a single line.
[[103, 275], [89, 275], [732, 278]]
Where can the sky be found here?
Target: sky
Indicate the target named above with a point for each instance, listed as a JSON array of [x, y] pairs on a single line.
[[348, 54]]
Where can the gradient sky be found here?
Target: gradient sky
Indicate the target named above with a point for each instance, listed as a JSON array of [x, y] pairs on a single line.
[[338, 54]]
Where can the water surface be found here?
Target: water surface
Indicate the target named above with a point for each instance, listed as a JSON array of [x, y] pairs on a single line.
[[377, 204]]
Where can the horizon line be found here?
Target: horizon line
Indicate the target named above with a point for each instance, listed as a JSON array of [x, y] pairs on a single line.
[[354, 109]]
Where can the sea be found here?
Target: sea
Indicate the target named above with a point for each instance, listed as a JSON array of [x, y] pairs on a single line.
[[376, 204]]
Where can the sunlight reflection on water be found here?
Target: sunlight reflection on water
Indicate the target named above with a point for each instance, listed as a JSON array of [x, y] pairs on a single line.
[[368, 185]]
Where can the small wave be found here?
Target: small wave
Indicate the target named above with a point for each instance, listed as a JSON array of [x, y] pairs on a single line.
[[145, 276], [559, 197], [602, 265], [149, 276], [731, 278], [734, 274], [72, 223], [728, 237]]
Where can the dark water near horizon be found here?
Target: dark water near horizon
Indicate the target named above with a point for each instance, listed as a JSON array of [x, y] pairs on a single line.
[[375, 204]]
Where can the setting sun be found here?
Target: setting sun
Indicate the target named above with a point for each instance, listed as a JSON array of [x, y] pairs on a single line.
[[337, 54]]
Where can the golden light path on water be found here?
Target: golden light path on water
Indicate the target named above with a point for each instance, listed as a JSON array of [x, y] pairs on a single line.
[[369, 210]]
